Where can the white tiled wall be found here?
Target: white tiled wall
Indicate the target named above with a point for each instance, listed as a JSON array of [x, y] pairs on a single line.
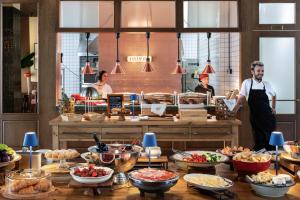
[[69, 48], [195, 47]]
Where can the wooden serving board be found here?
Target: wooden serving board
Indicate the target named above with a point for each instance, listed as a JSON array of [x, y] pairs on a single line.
[[39, 195]]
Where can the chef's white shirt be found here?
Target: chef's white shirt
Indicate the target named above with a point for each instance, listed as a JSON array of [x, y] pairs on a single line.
[[103, 89], [246, 85]]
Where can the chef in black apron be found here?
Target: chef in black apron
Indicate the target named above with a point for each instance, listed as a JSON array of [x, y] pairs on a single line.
[[262, 116]]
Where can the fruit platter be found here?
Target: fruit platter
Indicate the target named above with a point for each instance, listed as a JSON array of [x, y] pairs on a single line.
[[91, 174], [7, 155]]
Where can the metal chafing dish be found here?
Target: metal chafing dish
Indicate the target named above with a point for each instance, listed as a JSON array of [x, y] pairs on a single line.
[[192, 100], [158, 98], [158, 187], [119, 159]]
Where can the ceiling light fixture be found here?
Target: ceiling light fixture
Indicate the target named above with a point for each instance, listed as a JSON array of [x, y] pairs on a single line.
[[118, 69], [147, 66], [87, 68], [179, 69], [208, 68]]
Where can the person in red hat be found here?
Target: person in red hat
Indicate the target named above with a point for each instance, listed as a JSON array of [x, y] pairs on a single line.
[[203, 86]]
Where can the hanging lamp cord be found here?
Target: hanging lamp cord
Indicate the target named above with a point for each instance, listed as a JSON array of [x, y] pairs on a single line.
[[208, 45], [87, 46], [148, 37], [178, 46], [117, 37]]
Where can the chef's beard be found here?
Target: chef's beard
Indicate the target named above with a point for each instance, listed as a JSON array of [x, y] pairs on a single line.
[[258, 78]]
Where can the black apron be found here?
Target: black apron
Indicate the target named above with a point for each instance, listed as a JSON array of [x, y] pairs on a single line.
[[262, 119]]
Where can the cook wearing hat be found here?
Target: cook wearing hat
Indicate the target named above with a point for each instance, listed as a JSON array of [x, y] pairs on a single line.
[[203, 86]]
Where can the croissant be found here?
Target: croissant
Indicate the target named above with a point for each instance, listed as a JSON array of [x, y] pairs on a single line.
[[28, 190], [18, 185], [42, 186]]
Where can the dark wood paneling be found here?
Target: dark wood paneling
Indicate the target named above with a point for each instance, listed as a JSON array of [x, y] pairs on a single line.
[[288, 129], [47, 72], [13, 131]]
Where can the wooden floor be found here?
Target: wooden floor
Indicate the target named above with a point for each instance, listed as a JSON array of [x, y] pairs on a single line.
[[241, 190]]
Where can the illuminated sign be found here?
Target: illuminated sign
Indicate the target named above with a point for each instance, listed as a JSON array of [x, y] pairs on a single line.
[[135, 59]]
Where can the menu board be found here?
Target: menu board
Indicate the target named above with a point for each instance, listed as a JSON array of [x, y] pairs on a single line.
[[114, 101]]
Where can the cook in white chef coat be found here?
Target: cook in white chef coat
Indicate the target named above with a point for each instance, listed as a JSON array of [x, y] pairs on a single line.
[[258, 93], [102, 87]]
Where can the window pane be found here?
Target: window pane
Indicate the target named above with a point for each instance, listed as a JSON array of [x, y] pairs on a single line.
[[285, 107], [277, 13], [278, 55], [210, 14], [87, 14], [141, 14], [19, 32]]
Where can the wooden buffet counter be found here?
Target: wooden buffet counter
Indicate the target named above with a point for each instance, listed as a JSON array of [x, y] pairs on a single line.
[[166, 129], [241, 190]]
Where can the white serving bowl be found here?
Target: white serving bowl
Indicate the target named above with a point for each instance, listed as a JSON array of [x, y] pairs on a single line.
[[93, 180], [270, 191]]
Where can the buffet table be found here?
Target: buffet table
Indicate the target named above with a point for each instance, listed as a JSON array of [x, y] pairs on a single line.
[[241, 190], [166, 129]]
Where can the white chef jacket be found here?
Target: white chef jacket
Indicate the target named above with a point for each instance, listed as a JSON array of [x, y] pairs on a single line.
[[103, 89], [245, 89]]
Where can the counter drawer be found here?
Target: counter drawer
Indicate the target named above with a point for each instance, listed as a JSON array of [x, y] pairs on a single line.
[[210, 132], [170, 132], [122, 133]]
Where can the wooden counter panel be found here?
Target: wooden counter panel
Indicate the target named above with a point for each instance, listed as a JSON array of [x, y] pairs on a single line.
[[79, 129], [210, 130], [170, 132], [113, 130], [122, 133]]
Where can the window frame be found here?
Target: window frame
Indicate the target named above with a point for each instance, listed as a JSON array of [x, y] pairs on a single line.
[[178, 20], [274, 34], [258, 26]]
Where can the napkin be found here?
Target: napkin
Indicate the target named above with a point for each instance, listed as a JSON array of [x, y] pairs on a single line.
[[230, 103], [158, 109]]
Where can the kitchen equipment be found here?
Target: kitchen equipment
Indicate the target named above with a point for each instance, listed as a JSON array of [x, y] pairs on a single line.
[[191, 100]]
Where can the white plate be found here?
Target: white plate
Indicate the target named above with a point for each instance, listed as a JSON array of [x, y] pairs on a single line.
[[93, 180], [188, 178]]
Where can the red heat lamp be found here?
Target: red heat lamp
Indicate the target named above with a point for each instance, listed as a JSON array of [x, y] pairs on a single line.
[[147, 67], [87, 68], [208, 68], [179, 69], [118, 69]]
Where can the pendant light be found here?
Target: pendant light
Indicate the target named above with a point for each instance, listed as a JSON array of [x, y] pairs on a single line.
[[118, 69], [179, 69], [147, 66], [208, 68], [87, 68]]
